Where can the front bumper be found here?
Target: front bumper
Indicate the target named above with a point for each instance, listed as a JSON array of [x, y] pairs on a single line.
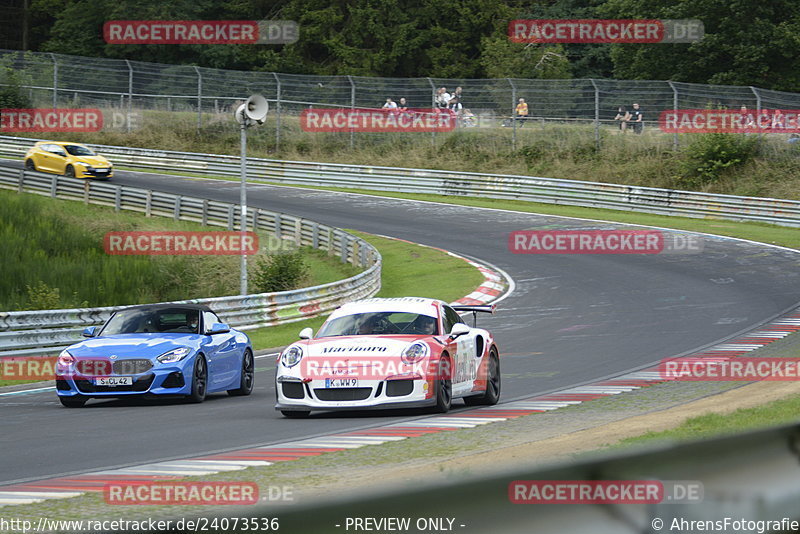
[[94, 173], [172, 379], [294, 395]]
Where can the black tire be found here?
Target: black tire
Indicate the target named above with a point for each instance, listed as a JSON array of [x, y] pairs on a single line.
[[444, 387], [492, 394], [295, 415], [199, 380], [69, 172], [248, 376], [76, 401], [30, 165]]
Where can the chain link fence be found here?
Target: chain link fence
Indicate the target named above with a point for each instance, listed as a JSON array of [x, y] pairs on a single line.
[[56, 80]]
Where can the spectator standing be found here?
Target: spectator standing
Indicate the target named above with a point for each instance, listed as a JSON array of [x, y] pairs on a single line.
[[748, 122], [637, 118], [622, 117], [390, 105], [403, 105], [521, 111], [455, 101], [778, 120], [443, 99]]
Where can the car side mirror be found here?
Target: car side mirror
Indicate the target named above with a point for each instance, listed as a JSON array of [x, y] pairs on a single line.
[[459, 329], [218, 328], [306, 333], [90, 331]]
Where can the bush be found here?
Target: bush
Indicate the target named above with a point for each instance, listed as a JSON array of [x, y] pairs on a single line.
[[11, 94], [280, 272], [709, 156]]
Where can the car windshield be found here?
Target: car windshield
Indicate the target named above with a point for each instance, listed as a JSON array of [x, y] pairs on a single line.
[[77, 150], [164, 320], [380, 323]]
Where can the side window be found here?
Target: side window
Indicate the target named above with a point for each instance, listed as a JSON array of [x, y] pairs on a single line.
[[56, 149], [209, 318], [450, 318]]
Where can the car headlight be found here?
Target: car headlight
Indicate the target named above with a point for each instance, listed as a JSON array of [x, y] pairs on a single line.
[[65, 359], [291, 356], [415, 352], [175, 355]]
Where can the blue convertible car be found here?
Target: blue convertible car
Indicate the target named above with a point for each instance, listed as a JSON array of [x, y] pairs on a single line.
[[164, 349]]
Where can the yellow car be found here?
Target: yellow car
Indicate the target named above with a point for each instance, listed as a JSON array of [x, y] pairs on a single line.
[[70, 159]]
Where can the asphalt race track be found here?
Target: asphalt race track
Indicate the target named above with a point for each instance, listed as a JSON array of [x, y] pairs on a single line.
[[571, 319]]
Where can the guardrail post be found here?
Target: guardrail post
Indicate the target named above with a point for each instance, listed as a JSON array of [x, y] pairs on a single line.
[[343, 247], [256, 215], [352, 107], [277, 112], [596, 115], [118, 198], [298, 232], [20, 186], [315, 235], [231, 216], [199, 97], [356, 252], [177, 211], [55, 81], [675, 110], [362, 257], [54, 186], [330, 242], [87, 185], [148, 203], [278, 229], [130, 97]]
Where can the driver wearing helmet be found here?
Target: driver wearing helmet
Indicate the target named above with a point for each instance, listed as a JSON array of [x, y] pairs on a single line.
[[424, 324]]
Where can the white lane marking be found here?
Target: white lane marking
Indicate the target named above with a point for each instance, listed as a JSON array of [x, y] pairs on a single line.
[[271, 355], [42, 494], [19, 500], [27, 391]]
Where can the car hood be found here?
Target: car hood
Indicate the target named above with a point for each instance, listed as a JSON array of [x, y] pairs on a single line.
[[363, 346], [127, 346], [94, 161]]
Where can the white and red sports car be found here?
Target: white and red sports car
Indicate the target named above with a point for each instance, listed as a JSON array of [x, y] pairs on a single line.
[[389, 353]]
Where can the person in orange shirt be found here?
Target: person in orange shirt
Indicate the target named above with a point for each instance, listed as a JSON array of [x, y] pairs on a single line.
[[521, 111]]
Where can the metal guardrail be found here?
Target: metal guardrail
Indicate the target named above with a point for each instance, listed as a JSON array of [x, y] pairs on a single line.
[[498, 186], [752, 477], [38, 333]]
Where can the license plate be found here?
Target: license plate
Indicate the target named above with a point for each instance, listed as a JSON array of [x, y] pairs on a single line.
[[101, 170], [113, 381], [341, 382]]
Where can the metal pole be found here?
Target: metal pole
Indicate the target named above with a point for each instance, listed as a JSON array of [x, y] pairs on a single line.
[[513, 118], [433, 105], [55, 81], [352, 107], [130, 96], [596, 115], [758, 111], [278, 118], [675, 110], [199, 98], [243, 202]]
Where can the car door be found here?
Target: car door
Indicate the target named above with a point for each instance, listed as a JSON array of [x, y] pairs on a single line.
[[223, 355], [465, 364], [44, 158], [58, 159]]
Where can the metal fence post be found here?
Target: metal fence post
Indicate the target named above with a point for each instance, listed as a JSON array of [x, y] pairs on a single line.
[[118, 198], [177, 211], [205, 213], [55, 81], [199, 97], [130, 96], [596, 115], [758, 110], [513, 118], [675, 110], [352, 108], [433, 105], [278, 112]]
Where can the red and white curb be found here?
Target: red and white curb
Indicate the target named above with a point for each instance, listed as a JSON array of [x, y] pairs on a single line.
[[72, 486]]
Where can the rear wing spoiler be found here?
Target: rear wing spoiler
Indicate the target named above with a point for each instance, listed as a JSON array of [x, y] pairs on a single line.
[[484, 308]]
